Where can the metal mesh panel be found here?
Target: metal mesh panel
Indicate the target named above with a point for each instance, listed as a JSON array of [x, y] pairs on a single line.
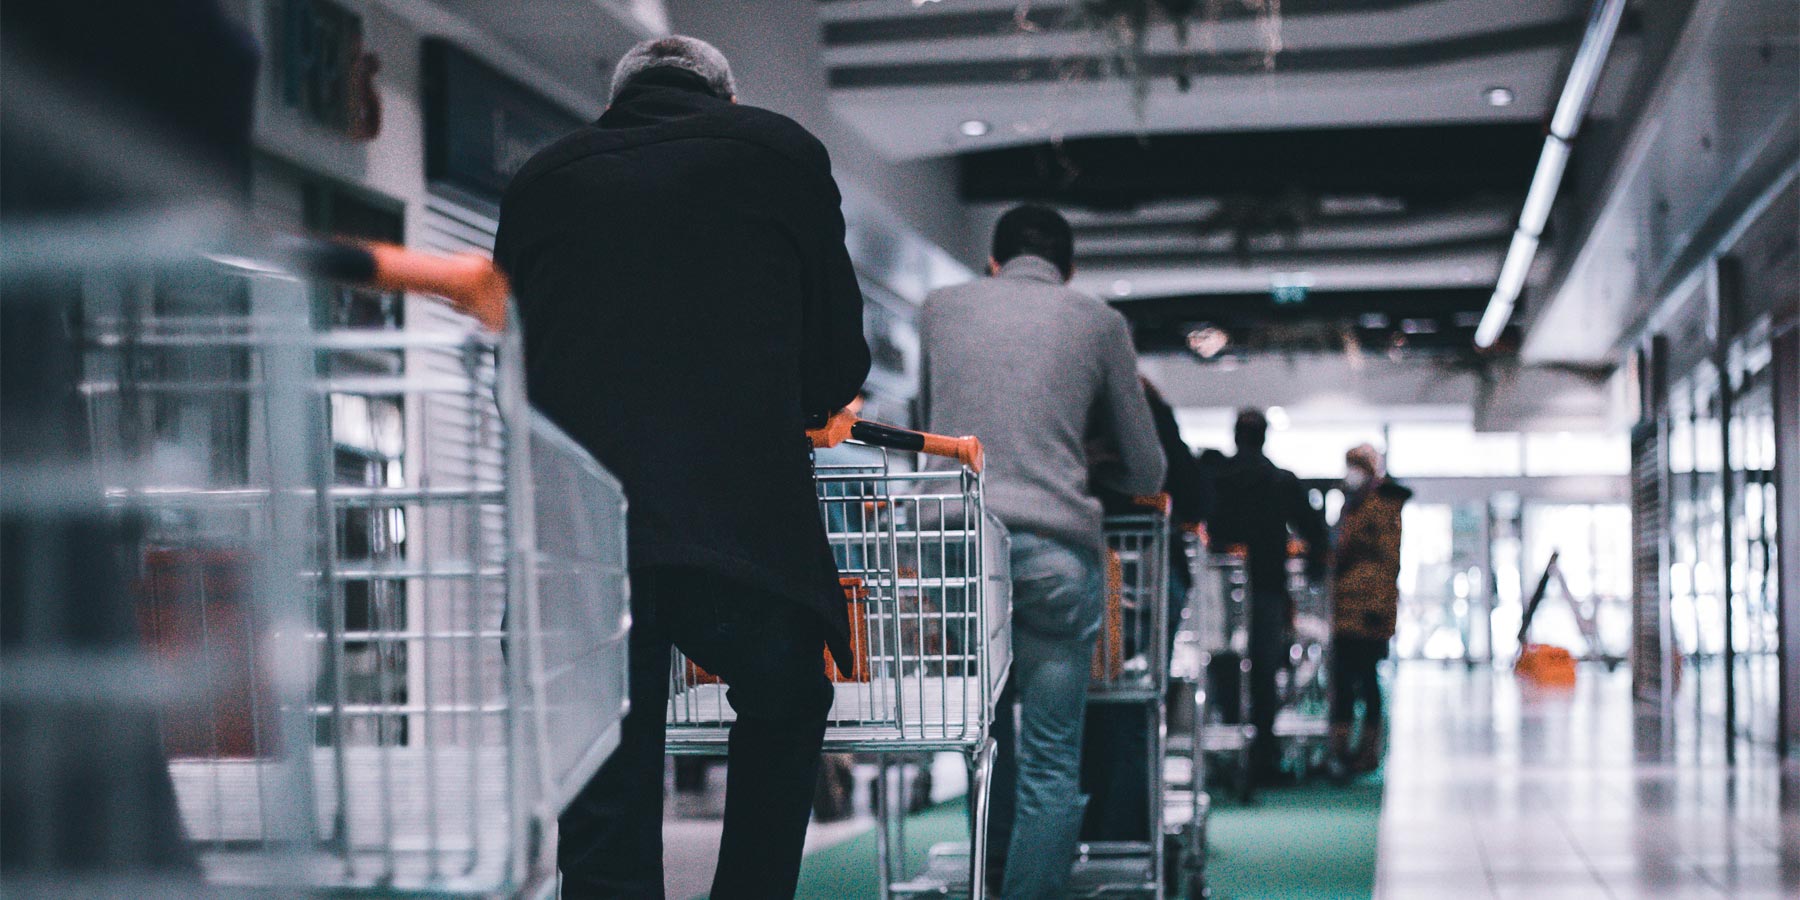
[[335, 543], [925, 573], [1131, 657]]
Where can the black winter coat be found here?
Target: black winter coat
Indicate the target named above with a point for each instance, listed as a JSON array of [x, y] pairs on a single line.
[[1255, 503], [688, 303]]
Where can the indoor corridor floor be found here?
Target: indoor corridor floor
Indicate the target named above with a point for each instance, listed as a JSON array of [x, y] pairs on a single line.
[[1498, 792]]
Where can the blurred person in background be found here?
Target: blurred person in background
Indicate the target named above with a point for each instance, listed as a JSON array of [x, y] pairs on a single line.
[[1365, 598], [1115, 748], [688, 306], [1035, 369], [1262, 508]]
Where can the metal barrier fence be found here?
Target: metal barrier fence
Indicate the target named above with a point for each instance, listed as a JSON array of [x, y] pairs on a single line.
[[351, 635]]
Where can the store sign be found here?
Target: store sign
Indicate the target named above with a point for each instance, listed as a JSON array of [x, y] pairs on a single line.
[[325, 71], [480, 125]]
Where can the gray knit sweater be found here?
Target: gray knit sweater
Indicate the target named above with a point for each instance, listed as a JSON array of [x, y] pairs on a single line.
[[1039, 372]]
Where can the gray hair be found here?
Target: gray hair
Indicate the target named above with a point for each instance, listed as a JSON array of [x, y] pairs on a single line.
[[677, 52]]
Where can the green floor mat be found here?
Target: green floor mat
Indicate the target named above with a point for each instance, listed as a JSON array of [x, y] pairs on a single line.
[[1311, 842]]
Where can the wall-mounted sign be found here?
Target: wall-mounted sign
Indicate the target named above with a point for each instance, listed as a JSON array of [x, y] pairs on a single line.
[[325, 71], [480, 125]]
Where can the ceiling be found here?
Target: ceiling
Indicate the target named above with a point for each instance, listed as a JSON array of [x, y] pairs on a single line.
[[1345, 155]]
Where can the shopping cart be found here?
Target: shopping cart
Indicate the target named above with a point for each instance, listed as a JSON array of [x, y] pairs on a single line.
[[1212, 649], [926, 573], [1302, 726], [1195, 727], [1131, 670], [383, 605]]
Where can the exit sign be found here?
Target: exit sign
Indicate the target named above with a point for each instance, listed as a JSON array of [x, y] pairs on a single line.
[[1289, 288], [1288, 294]]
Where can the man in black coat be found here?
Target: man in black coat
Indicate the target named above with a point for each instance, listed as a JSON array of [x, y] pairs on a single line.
[[688, 304], [1256, 505]]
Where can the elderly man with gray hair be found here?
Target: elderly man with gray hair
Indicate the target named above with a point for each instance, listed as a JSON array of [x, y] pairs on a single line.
[[688, 306]]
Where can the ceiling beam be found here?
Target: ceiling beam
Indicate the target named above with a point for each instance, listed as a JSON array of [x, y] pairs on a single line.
[[1423, 164]]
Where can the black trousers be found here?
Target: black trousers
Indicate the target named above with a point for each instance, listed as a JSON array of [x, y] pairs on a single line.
[[1353, 677], [1269, 643], [769, 651]]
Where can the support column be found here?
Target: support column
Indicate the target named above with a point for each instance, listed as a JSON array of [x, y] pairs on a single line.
[[1786, 373]]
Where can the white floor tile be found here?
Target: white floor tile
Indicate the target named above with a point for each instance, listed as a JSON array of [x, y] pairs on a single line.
[[1548, 790]]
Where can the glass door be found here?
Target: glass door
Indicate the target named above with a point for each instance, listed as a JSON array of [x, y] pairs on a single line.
[[1755, 624], [1588, 609]]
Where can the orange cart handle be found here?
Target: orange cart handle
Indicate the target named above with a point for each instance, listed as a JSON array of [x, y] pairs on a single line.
[[845, 425], [1162, 503]]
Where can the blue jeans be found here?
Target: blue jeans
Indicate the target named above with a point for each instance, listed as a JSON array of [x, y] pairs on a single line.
[[1058, 603]]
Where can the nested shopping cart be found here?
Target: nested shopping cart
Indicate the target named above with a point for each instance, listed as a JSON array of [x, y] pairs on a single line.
[[382, 603], [1130, 674], [1303, 727], [926, 572], [1196, 725]]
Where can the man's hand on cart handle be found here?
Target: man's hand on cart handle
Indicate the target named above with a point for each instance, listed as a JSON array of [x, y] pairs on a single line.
[[470, 281], [844, 425]]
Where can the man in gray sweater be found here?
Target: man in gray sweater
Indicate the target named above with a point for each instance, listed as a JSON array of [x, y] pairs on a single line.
[[1047, 378]]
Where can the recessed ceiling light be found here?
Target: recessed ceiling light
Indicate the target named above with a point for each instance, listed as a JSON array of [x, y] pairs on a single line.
[[1499, 96], [1122, 287], [973, 127]]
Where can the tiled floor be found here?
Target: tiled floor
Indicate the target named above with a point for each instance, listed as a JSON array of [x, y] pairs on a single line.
[[1495, 792]]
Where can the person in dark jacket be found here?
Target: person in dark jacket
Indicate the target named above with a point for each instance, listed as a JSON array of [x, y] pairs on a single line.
[[1256, 505], [1365, 595], [688, 304]]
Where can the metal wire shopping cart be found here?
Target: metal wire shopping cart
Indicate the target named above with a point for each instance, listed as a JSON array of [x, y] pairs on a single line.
[[1219, 621], [382, 603], [1186, 802], [1302, 726], [926, 572], [1131, 672]]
